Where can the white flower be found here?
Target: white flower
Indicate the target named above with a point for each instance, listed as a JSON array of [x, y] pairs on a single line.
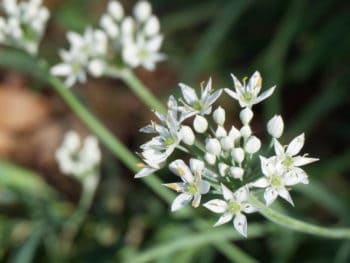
[[232, 208], [252, 145], [246, 115], [248, 94], [213, 146], [288, 157], [237, 172], [219, 116], [234, 133], [116, 10], [245, 131], [194, 104], [276, 180], [227, 143], [24, 24], [275, 126], [220, 132], [187, 135], [200, 124], [142, 11], [192, 187], [210, 158], [237, 155], [78, 158]]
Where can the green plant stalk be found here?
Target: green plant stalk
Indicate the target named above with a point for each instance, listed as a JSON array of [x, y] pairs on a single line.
[[137, 87], [296, 225], [191, 241]]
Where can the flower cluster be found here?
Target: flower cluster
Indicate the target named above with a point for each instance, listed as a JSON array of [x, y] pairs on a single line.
[[77, 158], [121, 42], [24, 24], [223, 157]]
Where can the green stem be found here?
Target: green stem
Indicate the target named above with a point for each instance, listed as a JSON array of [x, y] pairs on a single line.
[[191, 241], [140, 90], [299, 226]]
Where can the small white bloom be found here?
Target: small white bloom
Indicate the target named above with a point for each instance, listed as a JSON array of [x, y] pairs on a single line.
[[237, 172], [187, 135], [200, 124], [192, 187], [275, 126], [152, 26], [252, 145], [219, 116], [232, 208], [246, 115], [227, 143], [223, 168], [213, 146], [248, 94], [109, 26], [220, 132], [116, 10], [210, 158], [237, 155], [142, 11], [234, 133], [96, 67], [245, 131], [198, 105]]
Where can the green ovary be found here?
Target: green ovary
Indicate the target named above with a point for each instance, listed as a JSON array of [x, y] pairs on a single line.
[[192, 188], [234, 207], [276, 181], [248, 96], [288, 161], [197, 106], [169, 141]]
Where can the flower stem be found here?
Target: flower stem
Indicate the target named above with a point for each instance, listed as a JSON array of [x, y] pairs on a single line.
[[291, 223], [137, 87]]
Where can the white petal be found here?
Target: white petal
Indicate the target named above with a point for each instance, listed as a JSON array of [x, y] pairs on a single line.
[[242, 194], [240, 223], [197, 166], [145, 172], [254, 83], [228, 195], [283, 192], [203, 187], [196, 200], [61, 70], [226, 217], [295, 145], [264, 95], [180, 201], [238, 85], [300, 161], [261, 183], [216, 205], [279, 150], [232, 94], [155, 43], [188, 93], [248, 208], [270, 195], [264, 164], [178, 187], [179, 168]]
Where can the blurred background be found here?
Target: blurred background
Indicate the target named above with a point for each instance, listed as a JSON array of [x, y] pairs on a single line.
[[302, 46]]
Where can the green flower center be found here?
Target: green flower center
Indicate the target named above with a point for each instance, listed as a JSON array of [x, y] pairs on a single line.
[[197, 106], [288, 161], [248, 96], [169, 141], [192, 188], [234, 207], [76, 67], [276, 181]]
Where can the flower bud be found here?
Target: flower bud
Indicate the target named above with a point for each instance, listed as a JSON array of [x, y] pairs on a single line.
[[128, 26], [275, 126], [213, 146], [96, 67], [200, 124], [237, 172], [115, 9], [237, 155], [223, 167], [227, 143], [219, 116], [152, 26], [246, 131], [252, 145], [142, 11], [234, 133], [187, 135], [246, 115], [109, 26], [210, 158], [220, 132]]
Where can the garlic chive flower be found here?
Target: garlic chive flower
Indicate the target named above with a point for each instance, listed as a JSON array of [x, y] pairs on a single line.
[[247, 94], [78, 158], [122, 42], [234, 206], [192, 187], [223, 158], [23, 24]]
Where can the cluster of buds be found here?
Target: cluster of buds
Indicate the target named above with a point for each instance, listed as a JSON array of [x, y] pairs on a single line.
[[23, 25], [223, 159], [121, 42], [79, 158]]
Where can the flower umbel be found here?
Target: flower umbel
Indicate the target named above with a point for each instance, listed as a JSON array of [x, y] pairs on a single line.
[[223, 157]]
